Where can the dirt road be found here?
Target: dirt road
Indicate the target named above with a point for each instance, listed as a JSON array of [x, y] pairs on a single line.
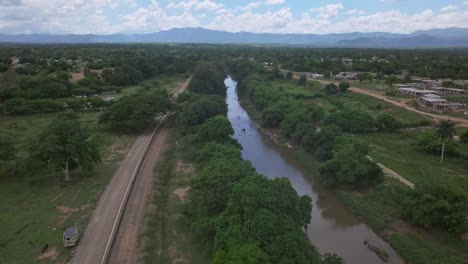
[[125, 247], [106, 239], [181, 87], [96, 239], [461, 122]]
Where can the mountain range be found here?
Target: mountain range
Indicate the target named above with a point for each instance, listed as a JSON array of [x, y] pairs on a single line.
[[449, 37]]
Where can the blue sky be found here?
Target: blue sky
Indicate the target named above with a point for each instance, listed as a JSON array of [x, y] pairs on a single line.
[[279, 16]]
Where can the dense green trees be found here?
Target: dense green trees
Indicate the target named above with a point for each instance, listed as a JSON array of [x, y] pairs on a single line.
[[216, 129], [430, 142], [269, 216], [441, 207], [344, 86], [352, 121], [249, 218], [208, 78], [201, 108], [350, 166], [65, 144], [135, 113], [331, 89]]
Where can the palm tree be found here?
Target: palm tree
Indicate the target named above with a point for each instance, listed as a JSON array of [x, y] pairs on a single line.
[[445, 130]]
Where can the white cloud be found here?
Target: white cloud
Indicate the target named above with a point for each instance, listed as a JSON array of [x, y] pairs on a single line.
[[274, 2], [91, 16], [185, 5], [252, 22], [208, 5], [328, 11], [448, 8], [356, 12], [250, 6]]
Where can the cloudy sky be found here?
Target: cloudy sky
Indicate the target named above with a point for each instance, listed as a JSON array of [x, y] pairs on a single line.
[[279, 16]]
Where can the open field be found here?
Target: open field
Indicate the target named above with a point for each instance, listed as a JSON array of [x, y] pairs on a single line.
[[399, 152], [353, 101], [168, 83], [39, 208]]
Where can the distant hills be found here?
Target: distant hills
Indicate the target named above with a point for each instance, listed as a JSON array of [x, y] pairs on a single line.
[[449, 37]]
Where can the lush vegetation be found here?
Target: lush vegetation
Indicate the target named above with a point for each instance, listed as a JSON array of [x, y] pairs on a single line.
[[134, 113], [344, 137], [243, 216], [65, 144]]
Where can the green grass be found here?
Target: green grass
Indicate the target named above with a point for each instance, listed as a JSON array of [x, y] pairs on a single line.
[[28, 205], [368, 85], [167, 82], [418, 251], [167, 238], [399, 152], [371, 105], [458, 99]]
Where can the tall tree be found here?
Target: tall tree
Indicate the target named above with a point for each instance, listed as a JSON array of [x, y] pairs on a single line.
[[445, 130], [135, 113], [66, 144]]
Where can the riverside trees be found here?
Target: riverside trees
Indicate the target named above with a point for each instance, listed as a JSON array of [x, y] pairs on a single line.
[[243, 216]]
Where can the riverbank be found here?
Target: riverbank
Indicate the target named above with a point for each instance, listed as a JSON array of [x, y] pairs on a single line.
[[378, 207]]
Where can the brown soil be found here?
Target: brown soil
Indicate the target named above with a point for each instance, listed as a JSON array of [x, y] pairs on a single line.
[[184, 167], [66, 212], [117, 150], [177, 256], [51, 254], [76, 76], [182, 193]]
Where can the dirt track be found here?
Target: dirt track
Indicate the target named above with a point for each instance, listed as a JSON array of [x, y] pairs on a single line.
[[125, 248], [181, 88], [461, 122], [95, 240], [105, 236]]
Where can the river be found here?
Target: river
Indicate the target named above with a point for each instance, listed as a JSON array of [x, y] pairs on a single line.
[[333, 227]]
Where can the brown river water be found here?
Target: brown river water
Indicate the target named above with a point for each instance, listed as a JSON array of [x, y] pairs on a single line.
[[333, 227]]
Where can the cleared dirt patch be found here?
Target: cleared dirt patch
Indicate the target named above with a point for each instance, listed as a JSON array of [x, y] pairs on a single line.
[[66, 212], [182, 193], [184, 167], [76, 76], [50, 254]]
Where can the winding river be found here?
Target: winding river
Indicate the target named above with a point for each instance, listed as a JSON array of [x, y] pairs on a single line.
[[333, 227]]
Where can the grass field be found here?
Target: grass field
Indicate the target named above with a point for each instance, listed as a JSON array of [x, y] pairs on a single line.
[[167, 238], [168, 82], [458, 99], [369, 85], [38, 208], [399, 152]]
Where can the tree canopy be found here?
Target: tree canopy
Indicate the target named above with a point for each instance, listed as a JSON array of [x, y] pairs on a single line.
[[65, 144], [135, 113]]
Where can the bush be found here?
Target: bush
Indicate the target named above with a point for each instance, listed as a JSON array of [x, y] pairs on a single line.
[[431, 143], [135, 113], [272, 117], [437, 207], [350, 166], [200, 109], [352, 121], [388, 122]]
